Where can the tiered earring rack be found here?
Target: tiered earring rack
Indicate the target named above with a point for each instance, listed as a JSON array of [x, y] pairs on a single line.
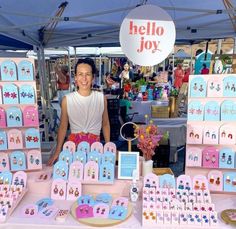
[[211, 130]]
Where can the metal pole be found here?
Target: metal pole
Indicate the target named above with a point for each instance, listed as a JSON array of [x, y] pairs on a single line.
[[69, 66], [234, 49], [45, 85], [219, 44], [100, 70], [191, 62], [42, 93]]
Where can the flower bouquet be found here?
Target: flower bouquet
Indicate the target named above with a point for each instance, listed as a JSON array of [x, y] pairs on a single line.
[[148, 139]]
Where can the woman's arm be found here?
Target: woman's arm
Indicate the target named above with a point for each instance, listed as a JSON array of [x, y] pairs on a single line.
[[61, 132], [105, 122]]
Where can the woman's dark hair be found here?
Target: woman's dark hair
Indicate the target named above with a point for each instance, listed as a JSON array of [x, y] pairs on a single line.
[[88, 61]]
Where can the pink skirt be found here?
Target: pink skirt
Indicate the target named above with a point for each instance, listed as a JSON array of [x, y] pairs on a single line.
[[80, 137]]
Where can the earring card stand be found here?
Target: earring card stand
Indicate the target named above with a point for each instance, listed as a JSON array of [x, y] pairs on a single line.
[[12, 192], [211, 130], [19, 111]]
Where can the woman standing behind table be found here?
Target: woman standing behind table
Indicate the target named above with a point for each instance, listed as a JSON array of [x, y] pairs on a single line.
[[126, 74], [84, 109], [178, 76]]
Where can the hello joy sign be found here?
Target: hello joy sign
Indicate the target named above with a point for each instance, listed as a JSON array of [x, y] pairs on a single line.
[[147, 35]]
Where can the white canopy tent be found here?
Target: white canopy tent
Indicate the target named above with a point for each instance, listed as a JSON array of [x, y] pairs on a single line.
[[54, 23], [92, 22]]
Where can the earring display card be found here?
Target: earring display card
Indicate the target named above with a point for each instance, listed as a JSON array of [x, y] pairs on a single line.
[[229, 89], [227, 135], [184, 182], [25, 71], [58, 189], [73, 190], [200, 183], [80, 156], [60, 170], [10, 94], [66, 156], [34, 160], [76, 172], [14, 117], [195, 111], [210, 157], [70, 146], [97, 147], [4, 162], [193, 156], [3, 140], [44, 203], [17, 161], [26, 94], [48, 212], [198, 87], [228, 110], [6, 177], [91, 171], [94, 156], [30, 116], [3, 121], [210, 135], [151, 180], [8, 71], [106, 172], [0, 94], [29, 211], [167, 181], [226, 158], [32, 138], [215, 87], [194, 134], [212, 111], [215, 180], [14, 138], [20, 178], [110, 147], [83, 146], [230, 182]]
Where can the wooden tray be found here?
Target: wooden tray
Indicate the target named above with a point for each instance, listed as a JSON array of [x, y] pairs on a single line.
[[97, 222], [162, 171], [225, 215]]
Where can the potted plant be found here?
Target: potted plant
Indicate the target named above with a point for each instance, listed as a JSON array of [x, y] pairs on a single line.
[[141, 85]]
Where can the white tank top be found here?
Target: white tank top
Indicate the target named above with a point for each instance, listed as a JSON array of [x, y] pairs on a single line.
[[85, 112]]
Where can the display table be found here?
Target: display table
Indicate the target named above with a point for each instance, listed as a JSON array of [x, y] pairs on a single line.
[[144, 108], [16, 221]]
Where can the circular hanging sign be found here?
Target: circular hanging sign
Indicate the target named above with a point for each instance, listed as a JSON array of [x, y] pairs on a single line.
[[147, 35]]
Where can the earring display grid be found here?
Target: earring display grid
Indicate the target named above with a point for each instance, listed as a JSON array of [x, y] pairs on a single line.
[[211, 130], [19, 111]]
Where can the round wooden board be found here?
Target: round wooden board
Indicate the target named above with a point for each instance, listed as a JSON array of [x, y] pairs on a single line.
[[226, 218], [99, 222]]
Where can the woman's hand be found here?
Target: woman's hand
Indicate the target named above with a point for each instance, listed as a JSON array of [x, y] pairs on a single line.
[[52, 159]]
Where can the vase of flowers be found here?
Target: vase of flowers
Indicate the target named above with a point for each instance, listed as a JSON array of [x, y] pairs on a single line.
[[148, 139]]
